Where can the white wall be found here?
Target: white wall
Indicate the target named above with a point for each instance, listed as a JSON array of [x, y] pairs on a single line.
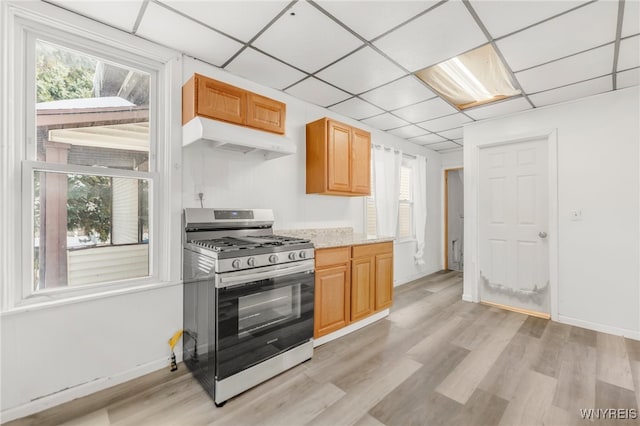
[[455, 219], [452, 159], [598, 172], [230, 179]]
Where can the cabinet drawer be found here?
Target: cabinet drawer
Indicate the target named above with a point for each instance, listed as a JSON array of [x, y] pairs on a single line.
[[372, 249], [332, 256]]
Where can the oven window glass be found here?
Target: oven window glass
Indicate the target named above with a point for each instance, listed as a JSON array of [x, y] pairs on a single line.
[[268, 308]]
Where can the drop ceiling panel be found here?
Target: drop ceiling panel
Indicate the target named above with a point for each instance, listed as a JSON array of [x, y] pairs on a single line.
[[427, 139], [631, 18], [361, 71], [407, 132], [500, 108], [263, 69], [628, 78], [443, 145], [452, 134], [317, 92], [380, 16], [629, 53], [119, 14], [583, 66], [405, 91], [426, 110], [356, 108], [504, 17], [308, 40], [574, 91], [432, 37], [211, 47], [240, 19], [557, 38], [445, 123], [385, 121]]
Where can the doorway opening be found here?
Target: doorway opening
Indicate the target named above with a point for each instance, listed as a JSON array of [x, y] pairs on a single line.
[[454, 219]]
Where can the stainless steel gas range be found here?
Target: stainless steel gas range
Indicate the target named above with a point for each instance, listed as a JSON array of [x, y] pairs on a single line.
[[248, 299]]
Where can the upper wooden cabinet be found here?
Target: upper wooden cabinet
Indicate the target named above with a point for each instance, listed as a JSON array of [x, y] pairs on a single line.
[[338, 159], [206, 97]]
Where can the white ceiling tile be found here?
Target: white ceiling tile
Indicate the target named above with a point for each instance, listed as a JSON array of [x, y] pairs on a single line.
[[504, 17], [405, 91], [385, 121], [629, 53], [240, 19], [452, 134], [356, 108], [120, 14], [584, 66], [558, 37], [631, 18], [361, 71], [426, 110], [317, 92], [306, 38], [211, 46], [445, 123], [500, 108], [408, 131], [442, 33], [443, 145], [446, 151], [262, 69], [380, 16], [428, 139], [574, 91], [628, 78], [459, 141]]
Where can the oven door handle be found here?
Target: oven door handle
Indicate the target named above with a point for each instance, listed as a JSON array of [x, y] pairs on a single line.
[[225, 282]]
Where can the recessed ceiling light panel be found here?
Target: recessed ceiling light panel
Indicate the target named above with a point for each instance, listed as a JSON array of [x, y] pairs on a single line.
[[474, 78]]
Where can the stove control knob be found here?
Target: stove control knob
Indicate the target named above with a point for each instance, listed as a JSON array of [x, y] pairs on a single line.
[[292, 255], [273, 258], [251, 261], [236, 264], [303, 255]]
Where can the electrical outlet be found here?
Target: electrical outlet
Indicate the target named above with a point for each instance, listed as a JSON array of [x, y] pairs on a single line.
[[575, 215], [197, 190]]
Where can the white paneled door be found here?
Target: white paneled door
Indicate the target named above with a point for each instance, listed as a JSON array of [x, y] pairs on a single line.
[[514, 225]]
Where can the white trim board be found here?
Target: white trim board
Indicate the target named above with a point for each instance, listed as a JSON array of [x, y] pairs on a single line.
[[603, 328], [350, 328], [85, 389]]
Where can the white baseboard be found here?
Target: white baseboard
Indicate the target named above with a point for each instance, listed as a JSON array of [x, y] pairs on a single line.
[[406, 280], [631, 334], [69, 394], [467, 298], [351, 328]]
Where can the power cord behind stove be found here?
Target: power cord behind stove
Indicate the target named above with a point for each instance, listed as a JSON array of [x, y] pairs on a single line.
[[201, 196]]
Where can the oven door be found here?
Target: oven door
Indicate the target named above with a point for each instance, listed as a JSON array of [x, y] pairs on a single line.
[[259, 319]]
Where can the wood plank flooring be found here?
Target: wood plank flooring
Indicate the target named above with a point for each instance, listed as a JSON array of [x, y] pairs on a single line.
[[435, 360]]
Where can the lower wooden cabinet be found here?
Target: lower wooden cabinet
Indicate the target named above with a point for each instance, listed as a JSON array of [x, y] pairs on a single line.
[[351, 284]]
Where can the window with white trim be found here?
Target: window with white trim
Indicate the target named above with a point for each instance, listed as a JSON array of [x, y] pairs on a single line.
[[94, 161], [405, 208]]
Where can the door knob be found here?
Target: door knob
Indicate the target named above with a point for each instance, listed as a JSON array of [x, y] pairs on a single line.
[[542, 234]]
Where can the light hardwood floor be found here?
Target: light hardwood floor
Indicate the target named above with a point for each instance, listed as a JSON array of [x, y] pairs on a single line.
[[436, 360]]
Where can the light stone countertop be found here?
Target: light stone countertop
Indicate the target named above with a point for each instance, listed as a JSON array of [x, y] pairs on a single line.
[[333, 237]]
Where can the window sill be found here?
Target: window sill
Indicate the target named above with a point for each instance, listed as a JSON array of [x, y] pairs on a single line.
[[27, 305], [406, 241]]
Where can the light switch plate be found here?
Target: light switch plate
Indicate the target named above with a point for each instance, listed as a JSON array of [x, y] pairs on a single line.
[[575, 215]]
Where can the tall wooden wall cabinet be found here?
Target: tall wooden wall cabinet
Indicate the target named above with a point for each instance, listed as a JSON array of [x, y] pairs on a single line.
[[338, 159]]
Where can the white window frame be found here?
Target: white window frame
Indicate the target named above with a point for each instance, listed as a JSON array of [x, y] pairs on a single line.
[[23, 23]]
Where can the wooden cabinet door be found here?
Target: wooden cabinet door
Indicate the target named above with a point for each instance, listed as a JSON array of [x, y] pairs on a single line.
[[338, 157], [265, 114], [331, 310], [361, 162], [362, 288], [384, 281], [220, 101]]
